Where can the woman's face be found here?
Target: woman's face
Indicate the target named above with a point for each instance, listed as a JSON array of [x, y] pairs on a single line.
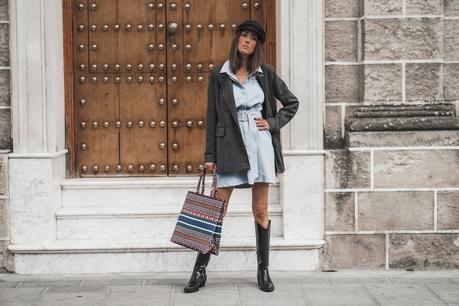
[[247, 43]]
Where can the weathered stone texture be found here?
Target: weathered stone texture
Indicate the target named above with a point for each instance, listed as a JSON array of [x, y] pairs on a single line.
[[339, 211], [404, 117], [340, 8], [4, 87], [354, 251], [3, 217], [404, 138], [347, 169], [416, 168], [333, 127], [383, 7], [424, 251], [383, 82], [341, 40], [448, 210], [404, 110], [342, 83], [4, 58], [4, 45], [409, 38], [423, 82], [395, 210], [3, 174], [451, 82], [451, 7], [451, 40], [4, 10], [349, 111], [433, 7], [5, 129], [402, 124], [4, 36], [3, 255]]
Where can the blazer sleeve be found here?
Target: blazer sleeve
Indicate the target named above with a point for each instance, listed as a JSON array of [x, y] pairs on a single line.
[[289, 104], [211, 150]]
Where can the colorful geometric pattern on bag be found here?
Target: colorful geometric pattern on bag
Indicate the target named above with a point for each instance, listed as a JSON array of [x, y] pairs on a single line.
[[202, 216], [199, 224]]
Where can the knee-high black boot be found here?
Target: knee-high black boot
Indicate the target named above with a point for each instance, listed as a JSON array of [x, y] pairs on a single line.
[[198, 276], [263, 235]]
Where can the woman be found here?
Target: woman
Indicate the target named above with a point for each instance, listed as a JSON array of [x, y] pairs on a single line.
[[243, 139]]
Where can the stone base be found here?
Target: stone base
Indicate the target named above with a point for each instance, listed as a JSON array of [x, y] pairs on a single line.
[[158, 256], [392, 250], [392, 201], [403, 118], [403, 138]]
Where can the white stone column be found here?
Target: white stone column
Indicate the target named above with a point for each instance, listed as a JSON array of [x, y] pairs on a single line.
[[37, 163], [301, 65]]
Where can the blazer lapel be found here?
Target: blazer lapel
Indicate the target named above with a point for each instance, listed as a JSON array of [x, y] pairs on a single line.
[[262, 80], [228, 95]]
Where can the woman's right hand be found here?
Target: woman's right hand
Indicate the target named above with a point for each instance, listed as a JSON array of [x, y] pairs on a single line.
[[210, 166]]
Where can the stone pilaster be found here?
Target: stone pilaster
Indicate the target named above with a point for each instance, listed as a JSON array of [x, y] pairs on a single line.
[[6, 142], [38, 76], [301, 66], [37, 163], [4, 211]]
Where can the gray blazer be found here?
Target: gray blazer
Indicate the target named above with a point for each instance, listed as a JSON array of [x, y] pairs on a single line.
[[224, 143]]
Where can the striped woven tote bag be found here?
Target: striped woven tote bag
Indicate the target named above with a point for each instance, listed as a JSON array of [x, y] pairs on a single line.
[[199, 225]]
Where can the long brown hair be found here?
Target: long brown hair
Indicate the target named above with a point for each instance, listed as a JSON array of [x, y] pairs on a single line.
[[255, 59]]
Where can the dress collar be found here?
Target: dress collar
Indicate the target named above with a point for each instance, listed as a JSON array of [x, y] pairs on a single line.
[[227, 69]]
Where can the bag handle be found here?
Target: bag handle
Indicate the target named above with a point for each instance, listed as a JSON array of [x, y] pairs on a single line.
[[202, 182]]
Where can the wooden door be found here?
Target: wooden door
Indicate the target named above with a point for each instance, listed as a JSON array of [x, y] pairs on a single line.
[[140, 70]]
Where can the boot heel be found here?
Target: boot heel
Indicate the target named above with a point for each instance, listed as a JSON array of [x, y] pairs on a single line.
[[198, 276]]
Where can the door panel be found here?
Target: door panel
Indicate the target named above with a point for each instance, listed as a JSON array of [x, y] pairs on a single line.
[[137, 36], [97, 132], [103, 44], [142, 88], [97, 103], [143, 126], [141, 72]]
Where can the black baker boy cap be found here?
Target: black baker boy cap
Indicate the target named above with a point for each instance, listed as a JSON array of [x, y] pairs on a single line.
[[252, 25]]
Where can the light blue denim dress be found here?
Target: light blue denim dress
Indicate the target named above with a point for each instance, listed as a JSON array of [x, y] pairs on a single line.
[[249, 99]]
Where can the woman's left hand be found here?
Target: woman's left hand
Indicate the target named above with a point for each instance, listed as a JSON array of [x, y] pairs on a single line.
[[262, 124]]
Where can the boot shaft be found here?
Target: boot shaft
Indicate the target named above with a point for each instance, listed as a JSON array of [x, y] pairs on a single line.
[[201, 260], [262, 236]]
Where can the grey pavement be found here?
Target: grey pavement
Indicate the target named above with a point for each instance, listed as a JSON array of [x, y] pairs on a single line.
[[347, 287]]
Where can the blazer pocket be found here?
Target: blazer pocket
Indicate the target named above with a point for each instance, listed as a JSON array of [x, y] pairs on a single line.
[[220, 131]]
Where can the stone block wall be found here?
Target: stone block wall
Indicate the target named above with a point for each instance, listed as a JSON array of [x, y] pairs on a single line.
[[388, 51], [392, 175], [6, 143], [393, 206]]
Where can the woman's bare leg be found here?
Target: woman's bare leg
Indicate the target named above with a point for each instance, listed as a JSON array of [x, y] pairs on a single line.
[[260, 203], [224, 193]]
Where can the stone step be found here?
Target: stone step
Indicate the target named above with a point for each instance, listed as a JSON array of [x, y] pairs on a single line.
[[149, 222], [152, 191], [157, 255]]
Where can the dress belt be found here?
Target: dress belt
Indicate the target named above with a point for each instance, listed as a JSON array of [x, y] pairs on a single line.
[[245, 116]]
